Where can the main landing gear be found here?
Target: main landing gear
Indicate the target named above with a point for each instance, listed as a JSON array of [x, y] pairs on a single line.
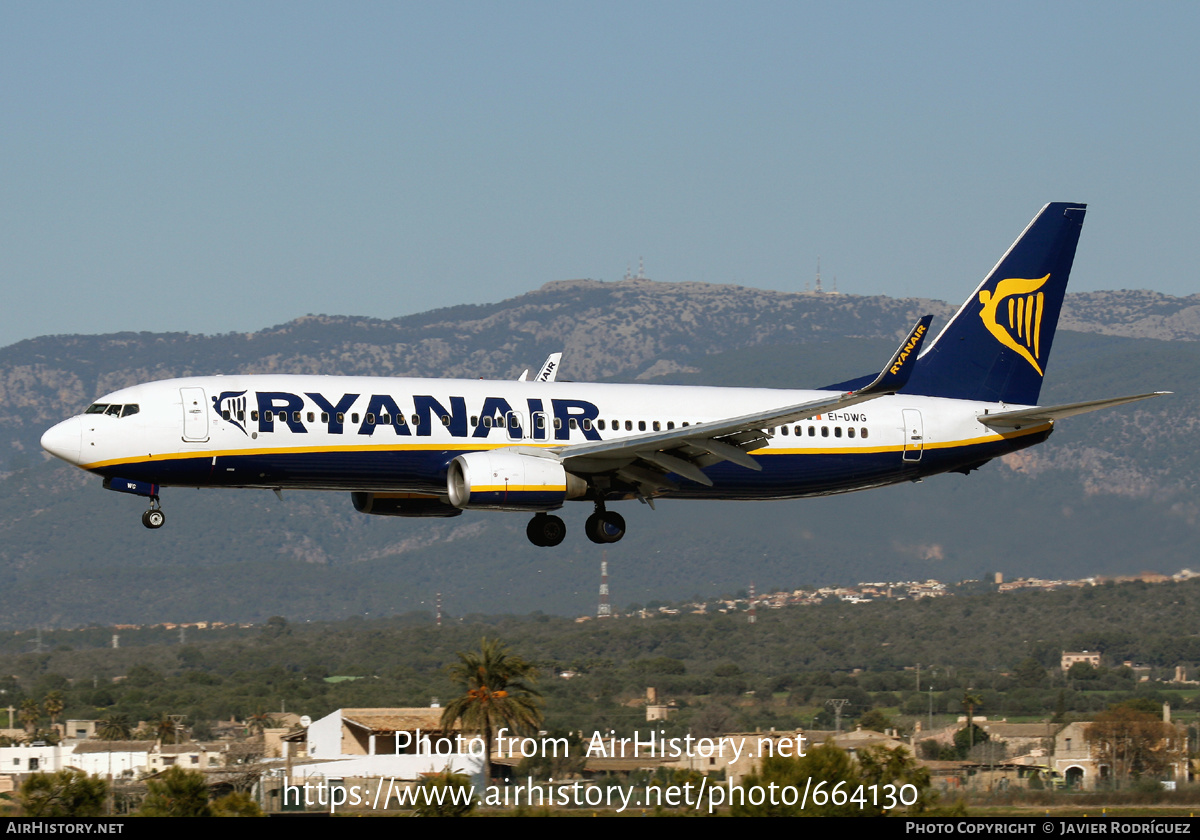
[[546, 530], [154, 518], [603, 526]]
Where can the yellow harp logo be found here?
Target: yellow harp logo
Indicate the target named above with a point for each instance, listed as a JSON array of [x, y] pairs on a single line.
[[1020, 304]]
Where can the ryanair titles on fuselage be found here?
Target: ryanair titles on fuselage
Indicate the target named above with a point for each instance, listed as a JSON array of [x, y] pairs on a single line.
[[291, 410]]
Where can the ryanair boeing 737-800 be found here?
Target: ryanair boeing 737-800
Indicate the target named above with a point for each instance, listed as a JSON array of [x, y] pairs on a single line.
[[437, 447]]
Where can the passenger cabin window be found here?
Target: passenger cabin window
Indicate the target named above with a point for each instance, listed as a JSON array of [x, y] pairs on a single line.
[[573, 423], [600, 425], [864, 431]]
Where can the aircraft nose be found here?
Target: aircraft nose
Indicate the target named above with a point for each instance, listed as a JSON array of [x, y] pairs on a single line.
[[65, 440]]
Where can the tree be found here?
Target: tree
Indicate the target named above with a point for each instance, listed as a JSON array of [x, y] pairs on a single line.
[[260, 721], [877, 765], [115, 727], [875, 720], [53, 705], [30, 714], [1133, 743], [446, 795], [825, 765], [1030, 674], [67, 793], [165, 729], [967, 738], [177, 793], [970, 701], [498, 695], [236, 804]]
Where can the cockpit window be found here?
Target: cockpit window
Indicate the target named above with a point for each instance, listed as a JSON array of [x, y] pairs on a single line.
[[113, 409]]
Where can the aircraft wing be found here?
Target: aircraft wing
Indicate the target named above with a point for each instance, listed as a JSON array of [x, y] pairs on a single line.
[[1042, 414], [646, 460]]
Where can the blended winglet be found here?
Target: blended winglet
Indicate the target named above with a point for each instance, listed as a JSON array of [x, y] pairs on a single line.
[[896, 372]]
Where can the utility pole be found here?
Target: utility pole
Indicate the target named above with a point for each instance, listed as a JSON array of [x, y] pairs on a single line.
[[837, 704]]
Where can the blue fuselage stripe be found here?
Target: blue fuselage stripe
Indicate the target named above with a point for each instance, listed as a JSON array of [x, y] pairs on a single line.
[[784, 475]]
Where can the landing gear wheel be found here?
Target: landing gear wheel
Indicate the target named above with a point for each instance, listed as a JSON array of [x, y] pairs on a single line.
[[604, 526], [545, 530], [153, 518]]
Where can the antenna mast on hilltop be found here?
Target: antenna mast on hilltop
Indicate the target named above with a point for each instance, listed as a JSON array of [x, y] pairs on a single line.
[[604, 610]]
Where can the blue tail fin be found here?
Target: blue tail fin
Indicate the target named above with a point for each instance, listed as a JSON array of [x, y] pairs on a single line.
[[996, 346]]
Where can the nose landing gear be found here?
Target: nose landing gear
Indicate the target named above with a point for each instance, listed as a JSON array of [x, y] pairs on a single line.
[[154, 518]]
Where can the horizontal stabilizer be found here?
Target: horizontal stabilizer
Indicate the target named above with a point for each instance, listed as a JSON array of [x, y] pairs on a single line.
[[1043, 414]]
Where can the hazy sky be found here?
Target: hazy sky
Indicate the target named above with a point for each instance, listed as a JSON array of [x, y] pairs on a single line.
[[227, 166]]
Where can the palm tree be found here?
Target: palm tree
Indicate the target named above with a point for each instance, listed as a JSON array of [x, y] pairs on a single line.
[[30, 714], [498, 695], [53, 705], [260, 721], [115, 727], [970, 701]]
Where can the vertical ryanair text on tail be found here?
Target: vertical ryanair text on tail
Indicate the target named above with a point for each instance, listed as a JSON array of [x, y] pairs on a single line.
[[437, 447]]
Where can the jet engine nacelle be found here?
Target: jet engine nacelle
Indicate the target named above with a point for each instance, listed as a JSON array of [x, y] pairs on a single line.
[[500, 479], [402, 504]]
